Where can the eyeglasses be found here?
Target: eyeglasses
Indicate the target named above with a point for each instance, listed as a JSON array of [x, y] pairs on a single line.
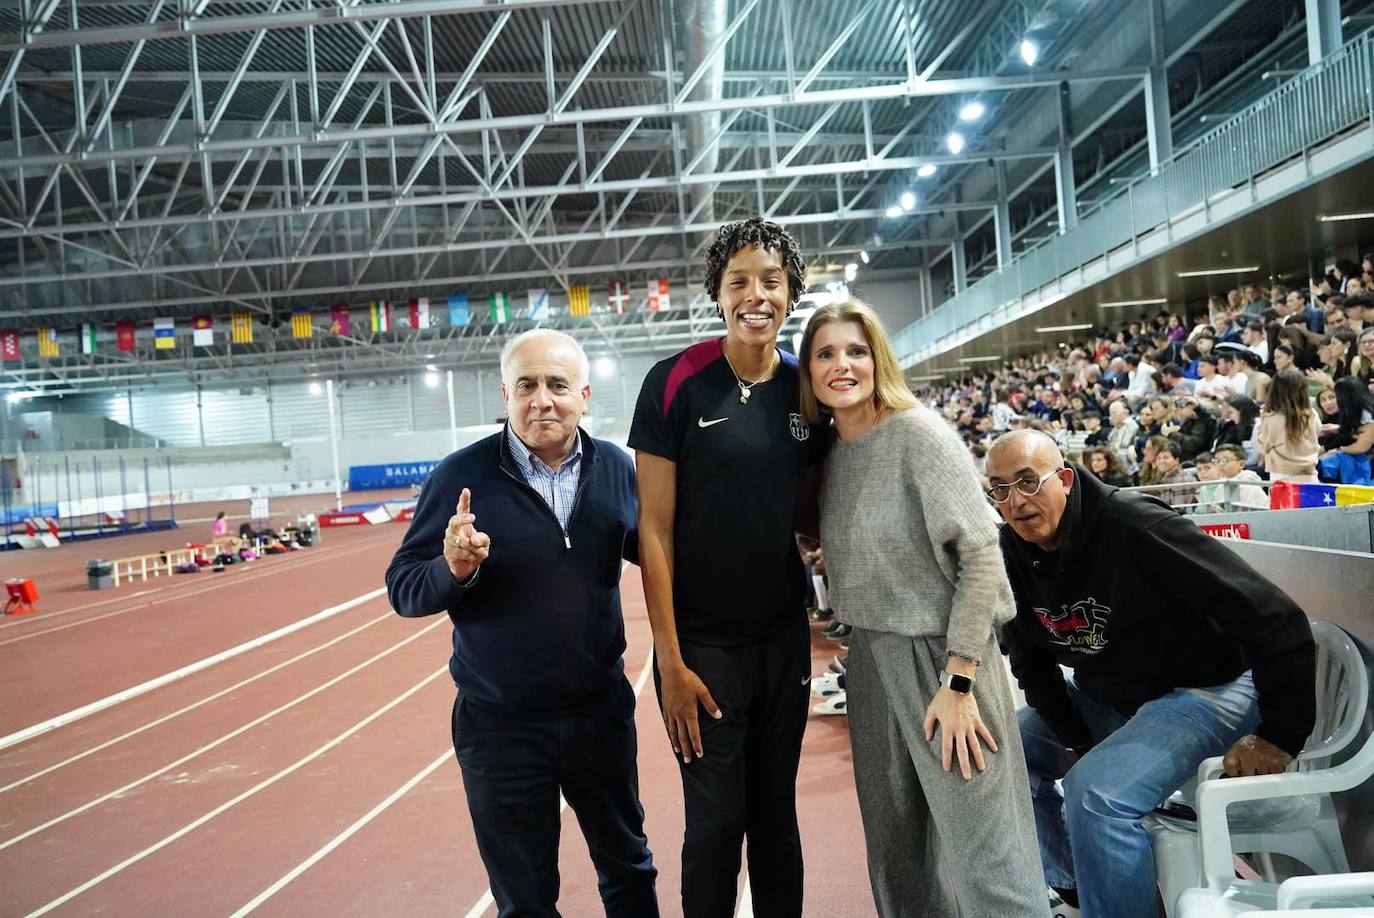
[[1027, 487]]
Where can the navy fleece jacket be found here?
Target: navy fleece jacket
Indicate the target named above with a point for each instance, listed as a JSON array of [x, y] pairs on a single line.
[[539, 628]]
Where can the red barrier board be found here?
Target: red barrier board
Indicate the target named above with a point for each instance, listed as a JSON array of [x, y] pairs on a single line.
[[405, 516], [343, 519], [1228, 530]]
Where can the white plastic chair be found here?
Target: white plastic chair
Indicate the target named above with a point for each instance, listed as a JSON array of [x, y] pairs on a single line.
[[1296, 819], [1346, 894]]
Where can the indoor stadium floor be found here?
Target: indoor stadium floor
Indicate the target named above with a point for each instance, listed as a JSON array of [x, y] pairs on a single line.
[[308, 774]]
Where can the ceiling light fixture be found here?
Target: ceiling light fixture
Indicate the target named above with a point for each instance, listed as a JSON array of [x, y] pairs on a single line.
[[1332, 218], [955, 142], [980, 359], [1208, 272], [863, 255], [1151, 302], [926, 171], [851, 271], [1058, 328], [1030, 52], [908, 200], [894, 212], [432, 380], [972, 111]]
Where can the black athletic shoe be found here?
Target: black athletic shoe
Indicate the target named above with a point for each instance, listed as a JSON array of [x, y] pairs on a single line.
[[820, 615], [840, 633], [839, 664]]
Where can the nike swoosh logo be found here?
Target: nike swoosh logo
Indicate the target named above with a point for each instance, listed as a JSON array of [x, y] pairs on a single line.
[[806, 680], [702, 422]]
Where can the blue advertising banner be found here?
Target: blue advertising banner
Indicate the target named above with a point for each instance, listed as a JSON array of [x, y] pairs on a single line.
[[397, 475]]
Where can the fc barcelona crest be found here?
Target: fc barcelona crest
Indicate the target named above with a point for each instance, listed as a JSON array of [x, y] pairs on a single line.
[[800, 429]]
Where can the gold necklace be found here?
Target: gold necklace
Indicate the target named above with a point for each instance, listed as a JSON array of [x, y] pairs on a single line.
[[743, 386]]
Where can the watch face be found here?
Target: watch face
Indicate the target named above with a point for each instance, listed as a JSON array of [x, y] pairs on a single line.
[[961, 684]]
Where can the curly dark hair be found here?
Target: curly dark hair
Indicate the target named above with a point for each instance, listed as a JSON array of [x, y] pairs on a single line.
[[732, 237]]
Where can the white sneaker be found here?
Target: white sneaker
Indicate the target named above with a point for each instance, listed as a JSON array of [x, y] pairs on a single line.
[[835, 704], [825, 685], [1061, 909]]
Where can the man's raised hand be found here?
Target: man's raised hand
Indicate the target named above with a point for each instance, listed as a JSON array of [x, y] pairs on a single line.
[[464, 546]]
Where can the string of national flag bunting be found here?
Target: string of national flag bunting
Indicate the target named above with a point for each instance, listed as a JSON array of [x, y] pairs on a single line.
[[380, 316]]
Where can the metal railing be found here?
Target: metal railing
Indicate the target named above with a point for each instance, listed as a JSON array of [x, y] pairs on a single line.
[[1324, 100]]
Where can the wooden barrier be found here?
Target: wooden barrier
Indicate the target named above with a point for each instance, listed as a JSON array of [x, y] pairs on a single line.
[[166, 562]]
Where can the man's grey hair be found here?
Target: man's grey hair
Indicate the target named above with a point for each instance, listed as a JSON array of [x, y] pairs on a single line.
[[584, 369]]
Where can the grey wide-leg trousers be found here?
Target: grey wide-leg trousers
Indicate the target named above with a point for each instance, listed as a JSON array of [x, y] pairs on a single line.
[[939, 846]]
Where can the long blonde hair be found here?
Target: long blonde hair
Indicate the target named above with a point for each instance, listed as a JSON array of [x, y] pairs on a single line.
[[889, 388], [1288, 397]]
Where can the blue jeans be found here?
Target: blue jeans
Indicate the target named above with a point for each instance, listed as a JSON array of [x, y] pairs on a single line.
[[1090, 833]]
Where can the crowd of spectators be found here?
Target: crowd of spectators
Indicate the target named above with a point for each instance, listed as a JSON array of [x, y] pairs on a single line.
[[1266, 383]]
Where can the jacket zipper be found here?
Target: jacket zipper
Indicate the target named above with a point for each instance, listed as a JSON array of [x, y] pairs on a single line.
[[577, 498]]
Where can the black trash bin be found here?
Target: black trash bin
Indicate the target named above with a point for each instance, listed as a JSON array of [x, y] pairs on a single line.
[[99, 574]]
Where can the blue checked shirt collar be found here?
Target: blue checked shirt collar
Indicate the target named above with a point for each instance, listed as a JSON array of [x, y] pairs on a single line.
[[559, 489]]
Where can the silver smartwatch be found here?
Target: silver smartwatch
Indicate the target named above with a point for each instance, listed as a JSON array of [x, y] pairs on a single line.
[[956, 683]]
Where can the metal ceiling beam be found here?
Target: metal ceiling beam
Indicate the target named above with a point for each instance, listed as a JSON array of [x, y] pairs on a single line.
[[936, 87], [493, 244], [346, 11], [638, 184]]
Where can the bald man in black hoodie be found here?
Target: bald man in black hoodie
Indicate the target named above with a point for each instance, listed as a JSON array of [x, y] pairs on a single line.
[[1180, 651]]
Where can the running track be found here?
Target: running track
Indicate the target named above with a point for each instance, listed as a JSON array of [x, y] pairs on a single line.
[[311, 774]]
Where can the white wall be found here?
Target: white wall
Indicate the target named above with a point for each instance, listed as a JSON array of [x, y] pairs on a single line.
[[897, 301]]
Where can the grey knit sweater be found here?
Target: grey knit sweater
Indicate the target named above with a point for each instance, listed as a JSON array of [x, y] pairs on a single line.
[[909, 542]]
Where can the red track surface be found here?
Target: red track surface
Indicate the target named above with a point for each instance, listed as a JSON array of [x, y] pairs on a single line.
[[199, 796]]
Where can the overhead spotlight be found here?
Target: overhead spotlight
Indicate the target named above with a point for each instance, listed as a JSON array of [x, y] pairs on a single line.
[[972, 111], [316, 388], [851, 271], [893, 212], [432, 380], [1030, 52], [955, 142], [605, 367], [863, 256], [908, 200], [926, 171]]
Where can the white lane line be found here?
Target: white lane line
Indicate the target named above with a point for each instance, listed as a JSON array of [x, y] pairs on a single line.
[[261, 785], [143, 688], [192, 591], [487, 901], [196, 704], [216, 742], [46, 615], [345, 835]]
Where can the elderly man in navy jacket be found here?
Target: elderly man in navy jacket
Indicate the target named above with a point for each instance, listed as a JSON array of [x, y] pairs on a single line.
[[520, 538], [1180, 651]]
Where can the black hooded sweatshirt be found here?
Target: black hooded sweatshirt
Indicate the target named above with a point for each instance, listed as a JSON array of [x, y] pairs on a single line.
[[1139, 602]]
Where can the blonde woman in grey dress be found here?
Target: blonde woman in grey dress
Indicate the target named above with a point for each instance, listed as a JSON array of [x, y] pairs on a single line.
[[916, 570]]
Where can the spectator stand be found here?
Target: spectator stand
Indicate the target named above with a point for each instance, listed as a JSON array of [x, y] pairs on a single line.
[[73, 496]]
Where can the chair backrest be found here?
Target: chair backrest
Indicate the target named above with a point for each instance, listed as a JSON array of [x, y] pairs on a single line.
[[1342, 695]]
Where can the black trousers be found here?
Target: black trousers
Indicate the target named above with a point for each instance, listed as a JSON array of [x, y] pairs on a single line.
[[746, 783], [514, 766]]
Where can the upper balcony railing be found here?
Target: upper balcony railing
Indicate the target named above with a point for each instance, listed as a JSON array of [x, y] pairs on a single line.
[[1326, 99]]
